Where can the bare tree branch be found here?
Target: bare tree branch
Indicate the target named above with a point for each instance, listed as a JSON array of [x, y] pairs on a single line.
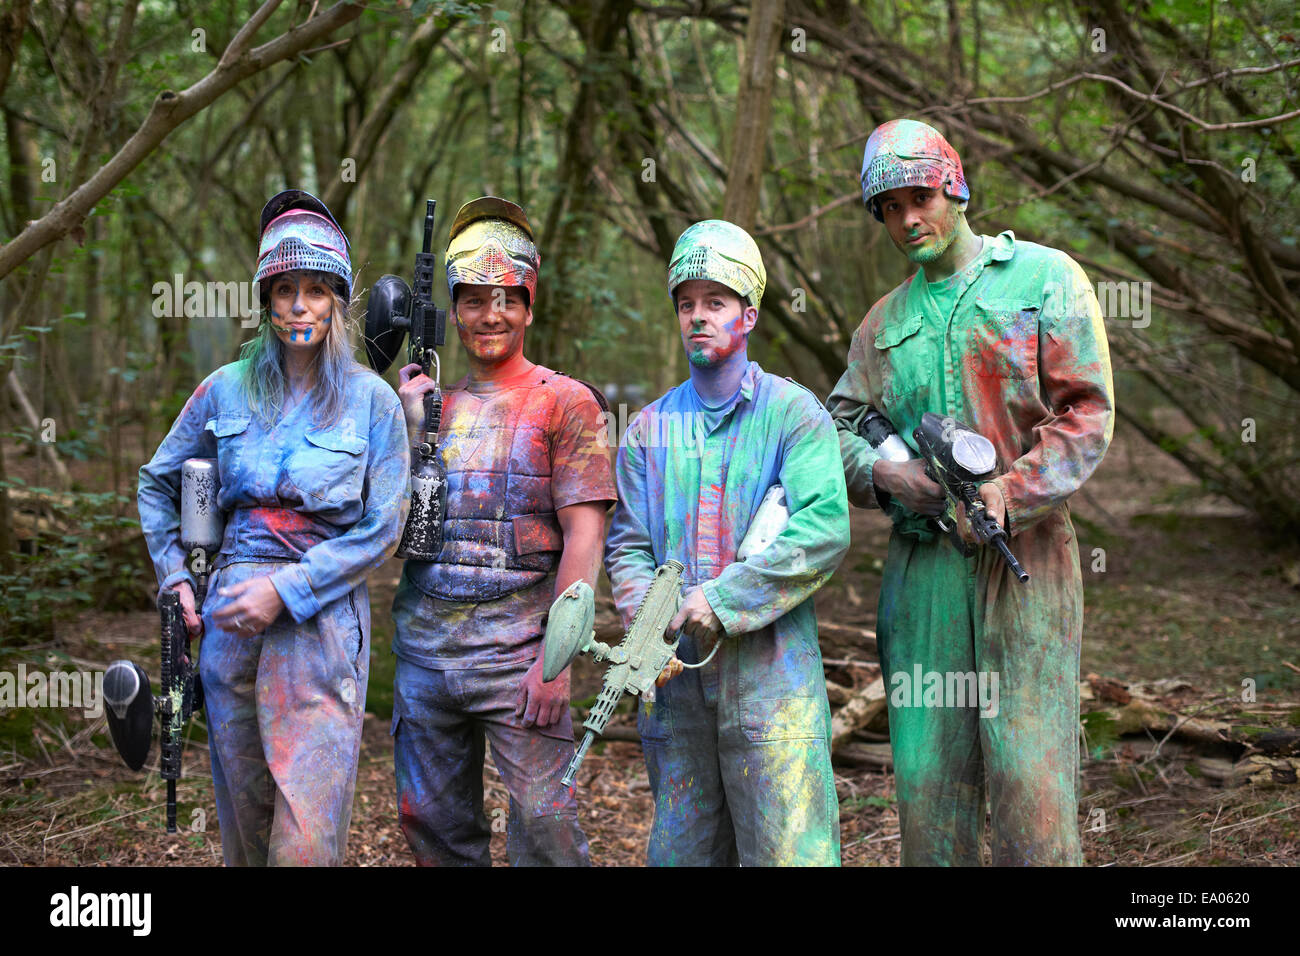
[[169, 111]]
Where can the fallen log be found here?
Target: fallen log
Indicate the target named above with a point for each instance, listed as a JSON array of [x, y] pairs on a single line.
[[618, 732], [837, 694], [871, 756], [861, 637], [1139, 714], [866, 703], [1257, 770]]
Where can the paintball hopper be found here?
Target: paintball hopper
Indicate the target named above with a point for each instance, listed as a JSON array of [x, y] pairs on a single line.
[[959, 448], [569, 630], [957, 457], [130, 711], [394, 309], [388, 317]]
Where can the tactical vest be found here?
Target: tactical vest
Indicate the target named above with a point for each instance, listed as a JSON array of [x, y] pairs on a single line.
[[501, 533]]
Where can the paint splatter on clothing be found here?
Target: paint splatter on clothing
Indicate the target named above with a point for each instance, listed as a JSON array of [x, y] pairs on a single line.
[[442, 720], [314, 508], [469, 625], [516, 451], [328, 500], [284, 715], [738, 752], [1021, 356]]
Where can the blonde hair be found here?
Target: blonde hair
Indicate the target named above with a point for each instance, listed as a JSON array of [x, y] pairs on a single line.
[[264, 380]]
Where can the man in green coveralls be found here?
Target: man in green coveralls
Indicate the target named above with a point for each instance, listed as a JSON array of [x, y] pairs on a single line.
[[1007, 337]]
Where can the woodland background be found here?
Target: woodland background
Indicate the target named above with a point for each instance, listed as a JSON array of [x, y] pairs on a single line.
[[1156, 142]]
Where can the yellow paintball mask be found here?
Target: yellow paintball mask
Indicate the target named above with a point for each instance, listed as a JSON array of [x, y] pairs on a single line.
[[491, 243]]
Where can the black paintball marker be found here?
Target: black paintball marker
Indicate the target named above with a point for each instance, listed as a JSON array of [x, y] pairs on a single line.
[[393, 310], [956, 458], [131, 703]]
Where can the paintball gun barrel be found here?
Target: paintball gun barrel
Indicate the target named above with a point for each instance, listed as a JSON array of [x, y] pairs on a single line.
[[392, 310]]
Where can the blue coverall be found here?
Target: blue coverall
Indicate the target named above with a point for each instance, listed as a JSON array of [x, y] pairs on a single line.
[[316, 507]]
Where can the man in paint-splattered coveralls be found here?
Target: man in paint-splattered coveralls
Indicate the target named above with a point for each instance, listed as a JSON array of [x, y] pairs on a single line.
[[1006, 336], [529, 482], [738, 752]]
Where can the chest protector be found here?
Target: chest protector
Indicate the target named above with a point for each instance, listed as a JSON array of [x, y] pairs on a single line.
[[501, 533]]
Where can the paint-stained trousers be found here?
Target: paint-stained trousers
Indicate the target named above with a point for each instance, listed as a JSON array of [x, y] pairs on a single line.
[[945, 613], [740, 772], [284, 714], [441, 721]]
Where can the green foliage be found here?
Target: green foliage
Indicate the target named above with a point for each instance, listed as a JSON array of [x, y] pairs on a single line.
[[1099, 730], [100, 565]]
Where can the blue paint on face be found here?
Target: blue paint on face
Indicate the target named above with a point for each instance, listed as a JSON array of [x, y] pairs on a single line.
[[306, 335]]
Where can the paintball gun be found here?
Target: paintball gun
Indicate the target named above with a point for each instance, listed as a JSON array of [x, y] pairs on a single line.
[[393, 310], [634, 664], [956, 457], [131, 704]]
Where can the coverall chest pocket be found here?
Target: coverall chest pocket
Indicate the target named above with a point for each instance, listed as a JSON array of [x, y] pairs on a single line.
[[1003, 340], [904, 365], [230, 433], [330, 465]]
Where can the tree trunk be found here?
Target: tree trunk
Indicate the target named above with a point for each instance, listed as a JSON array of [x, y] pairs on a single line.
[[753, 113]]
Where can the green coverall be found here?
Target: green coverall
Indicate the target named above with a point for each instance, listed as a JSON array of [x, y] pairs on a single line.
[[1015, 346]]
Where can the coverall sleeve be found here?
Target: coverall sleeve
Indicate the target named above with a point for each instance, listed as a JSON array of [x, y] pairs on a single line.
[[159, 494], [1075, 375], [849, 402], [753, 593], [629, 549], [332, 568]]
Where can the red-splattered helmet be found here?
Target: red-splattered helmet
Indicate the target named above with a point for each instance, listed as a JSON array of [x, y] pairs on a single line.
[[905, 152]]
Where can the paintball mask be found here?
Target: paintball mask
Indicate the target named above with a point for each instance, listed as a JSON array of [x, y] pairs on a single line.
[[908, 153], [492, 243], [299, 232], [723, 252]]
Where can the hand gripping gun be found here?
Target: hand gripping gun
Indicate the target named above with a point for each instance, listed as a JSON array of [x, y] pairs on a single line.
[[393, 310], [956, 458], [131, 703], [634, 664]]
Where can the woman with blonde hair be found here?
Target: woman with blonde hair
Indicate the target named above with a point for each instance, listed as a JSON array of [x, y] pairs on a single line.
[[311, 449]]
